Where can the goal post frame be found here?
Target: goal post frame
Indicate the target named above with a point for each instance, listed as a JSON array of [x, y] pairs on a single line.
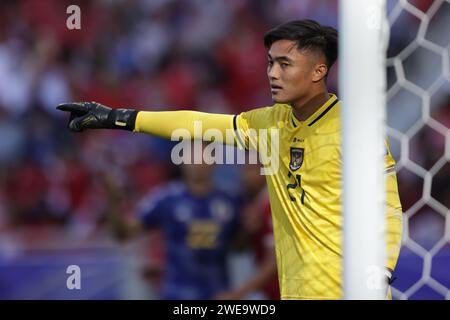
[[362, 85]]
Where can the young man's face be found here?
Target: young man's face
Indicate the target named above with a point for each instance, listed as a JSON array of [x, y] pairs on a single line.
[[291, 72]]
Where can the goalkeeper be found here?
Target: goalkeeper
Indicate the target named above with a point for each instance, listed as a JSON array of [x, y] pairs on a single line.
[[305, 192]]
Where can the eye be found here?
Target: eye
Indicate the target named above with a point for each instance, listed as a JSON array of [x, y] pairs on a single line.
[[284, 64], [270, 62]]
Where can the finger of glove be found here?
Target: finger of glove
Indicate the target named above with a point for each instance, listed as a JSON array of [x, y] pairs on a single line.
[[73, 115], [79, 108], [75, 124]]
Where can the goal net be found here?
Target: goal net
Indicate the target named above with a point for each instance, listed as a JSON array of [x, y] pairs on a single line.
[[418, 122], [396, 54]]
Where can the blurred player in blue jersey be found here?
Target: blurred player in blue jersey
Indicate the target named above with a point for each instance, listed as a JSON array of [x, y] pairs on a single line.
[[257, 222], [198, 223]]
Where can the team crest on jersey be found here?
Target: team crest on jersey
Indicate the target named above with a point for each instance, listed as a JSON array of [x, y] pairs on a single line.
[[296, 158]]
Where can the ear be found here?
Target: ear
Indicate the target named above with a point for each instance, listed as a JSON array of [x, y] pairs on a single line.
[[320, 71]]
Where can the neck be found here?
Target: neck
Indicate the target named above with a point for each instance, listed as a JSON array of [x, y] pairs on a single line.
[[305, 107], [199, 188]]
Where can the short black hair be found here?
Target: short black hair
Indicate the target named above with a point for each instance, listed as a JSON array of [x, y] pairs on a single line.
[[309, 35]]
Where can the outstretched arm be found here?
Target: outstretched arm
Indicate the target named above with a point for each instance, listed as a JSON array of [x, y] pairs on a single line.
[[193, 124]]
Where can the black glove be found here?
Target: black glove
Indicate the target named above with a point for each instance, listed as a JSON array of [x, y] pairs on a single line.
[[92, 115]]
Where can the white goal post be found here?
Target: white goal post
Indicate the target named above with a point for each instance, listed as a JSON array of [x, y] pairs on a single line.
[[362, 85], [411, 105]]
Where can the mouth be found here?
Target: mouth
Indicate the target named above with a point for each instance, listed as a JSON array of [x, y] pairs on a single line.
[[275, 88]]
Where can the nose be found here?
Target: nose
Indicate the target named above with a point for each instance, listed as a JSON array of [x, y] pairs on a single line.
[[273, 72]]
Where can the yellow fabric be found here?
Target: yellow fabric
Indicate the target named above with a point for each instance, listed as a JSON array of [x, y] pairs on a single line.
[[165, 123], [308, 235]]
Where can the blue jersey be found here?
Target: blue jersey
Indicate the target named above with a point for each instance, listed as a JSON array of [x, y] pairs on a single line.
[[197, 233]]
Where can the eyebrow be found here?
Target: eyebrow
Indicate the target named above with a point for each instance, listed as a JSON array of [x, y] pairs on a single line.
[[280, 58]]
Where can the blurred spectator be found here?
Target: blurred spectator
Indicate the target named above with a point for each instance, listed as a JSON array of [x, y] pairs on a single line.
[[152, 55], [198, 224], [258, 224], [158, 55]]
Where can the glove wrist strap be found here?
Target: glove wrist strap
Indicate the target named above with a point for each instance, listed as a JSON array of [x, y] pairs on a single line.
[[124, 119]]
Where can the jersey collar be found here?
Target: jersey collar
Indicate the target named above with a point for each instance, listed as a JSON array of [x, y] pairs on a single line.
[[316, 116]]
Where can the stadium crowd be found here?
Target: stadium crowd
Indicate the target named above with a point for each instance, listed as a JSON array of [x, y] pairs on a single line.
[[150, 55]]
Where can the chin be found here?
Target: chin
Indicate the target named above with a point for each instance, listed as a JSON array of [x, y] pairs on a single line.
[[279, 99]]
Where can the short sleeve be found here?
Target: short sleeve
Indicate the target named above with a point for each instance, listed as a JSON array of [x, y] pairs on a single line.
[[247, 126], [151, 209]]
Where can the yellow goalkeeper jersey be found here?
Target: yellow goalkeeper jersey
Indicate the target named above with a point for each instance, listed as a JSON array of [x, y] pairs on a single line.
[[305, 191], [305, 197]]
